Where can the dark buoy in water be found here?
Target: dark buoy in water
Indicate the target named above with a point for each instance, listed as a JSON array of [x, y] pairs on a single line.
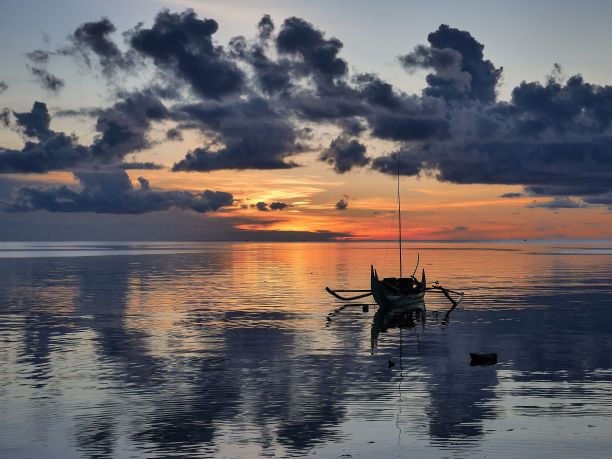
[[483, 359], [391, 363], [365, 307]]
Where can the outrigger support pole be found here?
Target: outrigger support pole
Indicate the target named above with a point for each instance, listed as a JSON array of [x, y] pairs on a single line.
[[446, 292], [343, 298], [365, 293]]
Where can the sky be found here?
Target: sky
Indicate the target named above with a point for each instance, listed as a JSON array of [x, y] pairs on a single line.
[[285, 120]]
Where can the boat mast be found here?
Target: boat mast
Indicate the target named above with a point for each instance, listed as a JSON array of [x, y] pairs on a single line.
[[399, 212]]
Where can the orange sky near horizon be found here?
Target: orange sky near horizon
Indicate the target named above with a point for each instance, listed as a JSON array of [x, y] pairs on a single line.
[[431, 210]]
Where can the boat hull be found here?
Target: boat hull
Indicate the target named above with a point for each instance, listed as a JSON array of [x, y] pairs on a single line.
[[388, 297]]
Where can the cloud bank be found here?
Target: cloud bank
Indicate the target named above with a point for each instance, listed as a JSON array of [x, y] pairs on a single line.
[[256, 101], [111, 192]]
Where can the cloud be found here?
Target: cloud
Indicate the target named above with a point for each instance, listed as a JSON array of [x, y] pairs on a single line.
[[409, 128], [318, 54], [604, 199], [388, 164], [35, 123], [246, 134], [553, 138], [94, 38], [558, 203], [47, 80], [511, 195], [265, 207], [111, 192], [343, 203], [122, 129], [272, 76], [344, 154], [262, 206], [181, 45], [39, 56], [5, 118], [174, 134], [460, 70], [257, 100], [140, 166], [52, 150], [276, 205], [3, 86]]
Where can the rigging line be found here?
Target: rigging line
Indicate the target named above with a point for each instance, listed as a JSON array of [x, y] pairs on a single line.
[[399, 213], [390, 228]]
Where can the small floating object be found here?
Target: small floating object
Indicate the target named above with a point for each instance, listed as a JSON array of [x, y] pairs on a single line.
[[483, 359], [391, 363]]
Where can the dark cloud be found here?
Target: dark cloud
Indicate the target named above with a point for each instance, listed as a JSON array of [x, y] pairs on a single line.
[[267, 207], [276, 205], [554, 138], [578, 107], [140, 166], [123, 127], [408, 165], [3, 86], [112, 192], [181, 44], [83, 112], [174, 134], [344, 154], [39, 56], [343, 203], [272, 73], [460, 70], [272, 76], [258, 99], [409, 128], [47, 80], [122, 130], [245, 135], [558, 203], [262, 206], [94, 38], [52, 151], [58, 152], [318, 54], [5, 118], [511, 195], [35, 123], [378, 92], [604, 199], [265, 27]]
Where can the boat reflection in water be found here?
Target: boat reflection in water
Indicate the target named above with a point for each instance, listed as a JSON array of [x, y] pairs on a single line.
[[412, 316]]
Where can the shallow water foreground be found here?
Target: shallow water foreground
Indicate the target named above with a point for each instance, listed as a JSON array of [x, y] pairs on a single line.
[[235, 350]]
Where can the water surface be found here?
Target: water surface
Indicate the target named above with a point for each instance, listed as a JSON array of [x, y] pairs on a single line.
[[235, 350]]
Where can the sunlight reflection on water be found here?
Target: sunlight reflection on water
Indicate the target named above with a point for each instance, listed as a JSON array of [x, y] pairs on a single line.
[[226, 350]]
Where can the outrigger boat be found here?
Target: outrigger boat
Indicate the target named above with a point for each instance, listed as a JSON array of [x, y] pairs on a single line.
[[398, 292]]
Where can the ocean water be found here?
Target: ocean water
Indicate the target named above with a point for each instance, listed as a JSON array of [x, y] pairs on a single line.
[[235, 350]]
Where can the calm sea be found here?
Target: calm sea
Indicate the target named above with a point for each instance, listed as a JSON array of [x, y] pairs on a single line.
[[235, 350]]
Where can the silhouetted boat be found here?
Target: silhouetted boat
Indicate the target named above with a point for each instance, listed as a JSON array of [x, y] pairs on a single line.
[[404, 292], [398, 292]]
